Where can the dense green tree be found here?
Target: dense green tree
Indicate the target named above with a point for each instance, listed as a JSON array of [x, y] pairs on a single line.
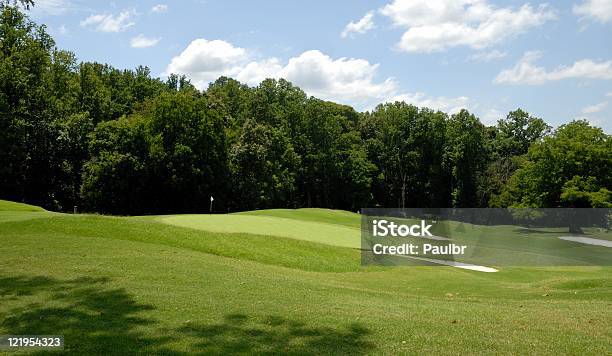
[[264, 165], [563, 169], [465, 156], [353, 179], [517, 132], [508, 142], [406, 145], [107, 93], [72, 145], [190, 151], [585, 193], [171, 156], [28, 159], [116, 177], [316, 138], [235, 98]]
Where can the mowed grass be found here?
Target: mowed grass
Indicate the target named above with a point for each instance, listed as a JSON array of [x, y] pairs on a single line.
[[494, 245], [14, 206], [126, 285], [336, 217], [269, 225]]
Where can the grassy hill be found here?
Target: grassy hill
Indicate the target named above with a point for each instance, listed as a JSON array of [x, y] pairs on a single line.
[[14, 206], [275, 281]]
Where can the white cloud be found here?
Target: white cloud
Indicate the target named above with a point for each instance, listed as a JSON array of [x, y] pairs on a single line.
[[255, 72], [594, 121], [344, 79], [52, 7], [491, 116], [487, 56], [600, 10], [609, 94], [362, 26], [526, 72], [159, 8], [448, 105], [347, 80], [591, 109], [141, 41], [204, 61], [108, 22], [436, 25]]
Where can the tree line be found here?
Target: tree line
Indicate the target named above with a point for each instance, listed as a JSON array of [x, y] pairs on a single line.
[[123, 142]]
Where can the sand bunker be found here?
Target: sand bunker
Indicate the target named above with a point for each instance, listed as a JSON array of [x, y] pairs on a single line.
[[455, 264], [587, 240]]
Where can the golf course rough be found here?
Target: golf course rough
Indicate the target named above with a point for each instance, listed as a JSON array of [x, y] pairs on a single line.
[[145, 285]]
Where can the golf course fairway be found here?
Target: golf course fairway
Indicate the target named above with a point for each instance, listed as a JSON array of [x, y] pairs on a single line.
[[225, 284]]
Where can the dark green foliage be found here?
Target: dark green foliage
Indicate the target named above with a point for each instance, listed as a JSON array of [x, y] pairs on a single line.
[[28, 107], [115, 178], [573, 167], [169, 157], [264, 166], [465, 155], [407, 144], [508, 142], [120, 141]]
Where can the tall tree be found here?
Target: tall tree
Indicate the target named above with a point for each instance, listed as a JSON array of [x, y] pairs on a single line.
[[264, 166], [465, 156], [508, 142], [577, 158], [406, 144], [28, 156]]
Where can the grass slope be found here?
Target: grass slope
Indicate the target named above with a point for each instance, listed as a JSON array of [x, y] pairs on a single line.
[[308, 230], [125, 285], [6, 205], [337, 217]]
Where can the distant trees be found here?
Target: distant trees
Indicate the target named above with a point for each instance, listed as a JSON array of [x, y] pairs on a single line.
[[571, 168], [30, 70], [508, 143], [465, 157], [406, 145], [122, 142], [117, 176], [169, 156], [264, 167]]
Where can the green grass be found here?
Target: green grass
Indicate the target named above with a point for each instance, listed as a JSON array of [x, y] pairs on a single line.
[[127, 285], [337, 217], [14, 206], [308, 230]]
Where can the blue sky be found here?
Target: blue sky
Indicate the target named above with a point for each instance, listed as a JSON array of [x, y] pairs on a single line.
[[551, 59]]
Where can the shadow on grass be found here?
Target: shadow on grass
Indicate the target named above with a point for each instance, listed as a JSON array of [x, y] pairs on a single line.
[[92, 318], [95, 319], [277, 335]]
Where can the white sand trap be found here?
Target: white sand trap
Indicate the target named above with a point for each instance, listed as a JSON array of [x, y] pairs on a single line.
[[587, 240], [455, 264]]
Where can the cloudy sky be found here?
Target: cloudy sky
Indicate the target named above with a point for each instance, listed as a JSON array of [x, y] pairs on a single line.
[[551, 59]]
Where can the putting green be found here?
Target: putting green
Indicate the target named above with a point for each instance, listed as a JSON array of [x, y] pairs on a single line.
[[319, 215], [325, 233]]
